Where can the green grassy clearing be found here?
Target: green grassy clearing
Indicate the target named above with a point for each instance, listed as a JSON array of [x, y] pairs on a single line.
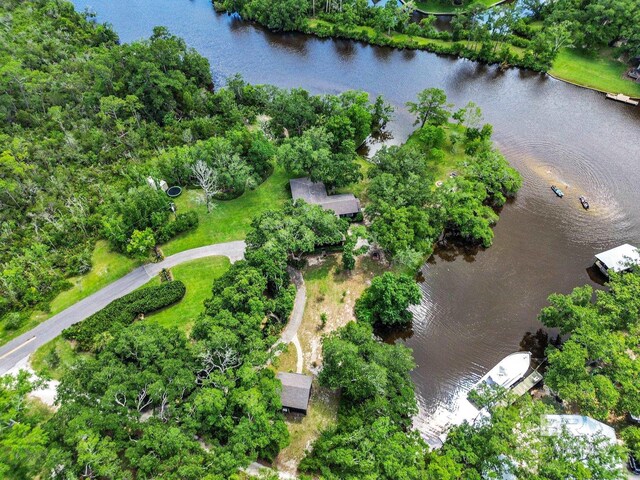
[[454, 154], [198, 276], [286, 361], [46, 363], [107, 266], [597, 70], [399, 40], [229, 219], [440, 6]]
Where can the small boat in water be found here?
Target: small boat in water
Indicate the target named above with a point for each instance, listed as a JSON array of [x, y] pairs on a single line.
[[507, 372], [584, 203], [557, 191]]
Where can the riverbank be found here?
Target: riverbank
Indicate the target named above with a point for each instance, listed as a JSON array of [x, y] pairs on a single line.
[[436, 7], [578, 67], [598, 72]]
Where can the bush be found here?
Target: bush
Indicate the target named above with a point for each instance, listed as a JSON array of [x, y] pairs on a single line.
[[13, 321], [124, 311], [183, 223]]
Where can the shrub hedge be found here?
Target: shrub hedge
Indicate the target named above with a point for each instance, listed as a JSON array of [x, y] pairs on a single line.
[[123, 311], [182, 223]]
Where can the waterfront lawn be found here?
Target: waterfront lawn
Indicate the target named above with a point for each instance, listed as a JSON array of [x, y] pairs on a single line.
[[598, 70], [397, 40], [229, 219], [440, 6], [198, 277], [454, 154], [107, 266]]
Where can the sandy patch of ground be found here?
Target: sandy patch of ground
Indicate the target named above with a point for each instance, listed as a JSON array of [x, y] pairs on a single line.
[[332, 291]]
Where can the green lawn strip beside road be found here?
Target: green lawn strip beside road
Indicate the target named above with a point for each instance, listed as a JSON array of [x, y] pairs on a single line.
[[229, 219], [597, 70], [53, 357], [198, 277], [107, 266]]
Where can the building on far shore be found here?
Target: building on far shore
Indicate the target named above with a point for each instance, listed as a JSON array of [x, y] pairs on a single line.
[[344, 205], [619, 259], [296, 391]]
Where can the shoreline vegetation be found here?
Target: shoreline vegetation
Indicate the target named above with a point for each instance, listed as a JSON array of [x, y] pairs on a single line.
[[186, 394], [507, 39]]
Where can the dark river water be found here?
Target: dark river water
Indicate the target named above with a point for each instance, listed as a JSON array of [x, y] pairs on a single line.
[[476, 309]]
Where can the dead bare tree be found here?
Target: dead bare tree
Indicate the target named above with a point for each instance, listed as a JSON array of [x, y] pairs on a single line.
[[207, 179], [221, 359]]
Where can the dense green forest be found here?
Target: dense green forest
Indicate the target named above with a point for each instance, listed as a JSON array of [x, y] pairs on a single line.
[[85, 121]]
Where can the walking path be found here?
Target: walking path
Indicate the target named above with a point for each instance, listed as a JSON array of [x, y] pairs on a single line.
[[290, 332], [21, 347]]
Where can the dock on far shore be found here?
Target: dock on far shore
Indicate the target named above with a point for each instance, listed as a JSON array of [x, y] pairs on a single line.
[[622, 98]]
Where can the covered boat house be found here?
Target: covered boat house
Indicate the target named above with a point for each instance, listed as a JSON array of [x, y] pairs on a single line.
[[296, 391], [619, 259], [579, 426], [344, 205]]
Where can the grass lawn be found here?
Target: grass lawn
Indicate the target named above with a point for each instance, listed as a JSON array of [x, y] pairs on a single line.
[[595, 70], [230, 219], [47, 363], [441, 6], [198, 277], [107, 267], [454, 154]]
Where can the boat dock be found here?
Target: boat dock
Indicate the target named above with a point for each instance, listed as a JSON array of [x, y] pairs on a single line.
[[526, 384], [622, 98]]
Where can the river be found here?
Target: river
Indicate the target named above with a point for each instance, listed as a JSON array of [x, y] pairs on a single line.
[[476, 308]]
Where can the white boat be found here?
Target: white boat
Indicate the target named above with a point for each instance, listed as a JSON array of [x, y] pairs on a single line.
[[507, 372]]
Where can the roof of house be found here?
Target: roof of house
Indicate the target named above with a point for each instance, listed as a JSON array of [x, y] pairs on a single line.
[[316, 194], [620, 258], [579, 426], [296, 389]]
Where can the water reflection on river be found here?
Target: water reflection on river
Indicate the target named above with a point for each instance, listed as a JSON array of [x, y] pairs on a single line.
[[476, 308]]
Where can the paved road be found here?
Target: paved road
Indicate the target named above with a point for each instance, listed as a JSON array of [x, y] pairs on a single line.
[[21, 347]]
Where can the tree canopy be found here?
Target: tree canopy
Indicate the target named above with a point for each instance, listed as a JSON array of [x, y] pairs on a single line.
[[596, 368], [387, 299]]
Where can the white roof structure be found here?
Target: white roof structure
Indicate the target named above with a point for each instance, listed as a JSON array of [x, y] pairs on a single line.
[[620, 258], [579, 426]]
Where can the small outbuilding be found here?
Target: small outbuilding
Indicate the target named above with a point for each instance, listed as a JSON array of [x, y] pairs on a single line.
[[296, 391], [619, 259], [344, 205]]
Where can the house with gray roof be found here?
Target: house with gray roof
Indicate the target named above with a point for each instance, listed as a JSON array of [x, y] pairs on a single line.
[[296, 391], [315, 193]]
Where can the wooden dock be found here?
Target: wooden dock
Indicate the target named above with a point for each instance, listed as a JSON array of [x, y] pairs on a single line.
[[527, 384], [622, 98]]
